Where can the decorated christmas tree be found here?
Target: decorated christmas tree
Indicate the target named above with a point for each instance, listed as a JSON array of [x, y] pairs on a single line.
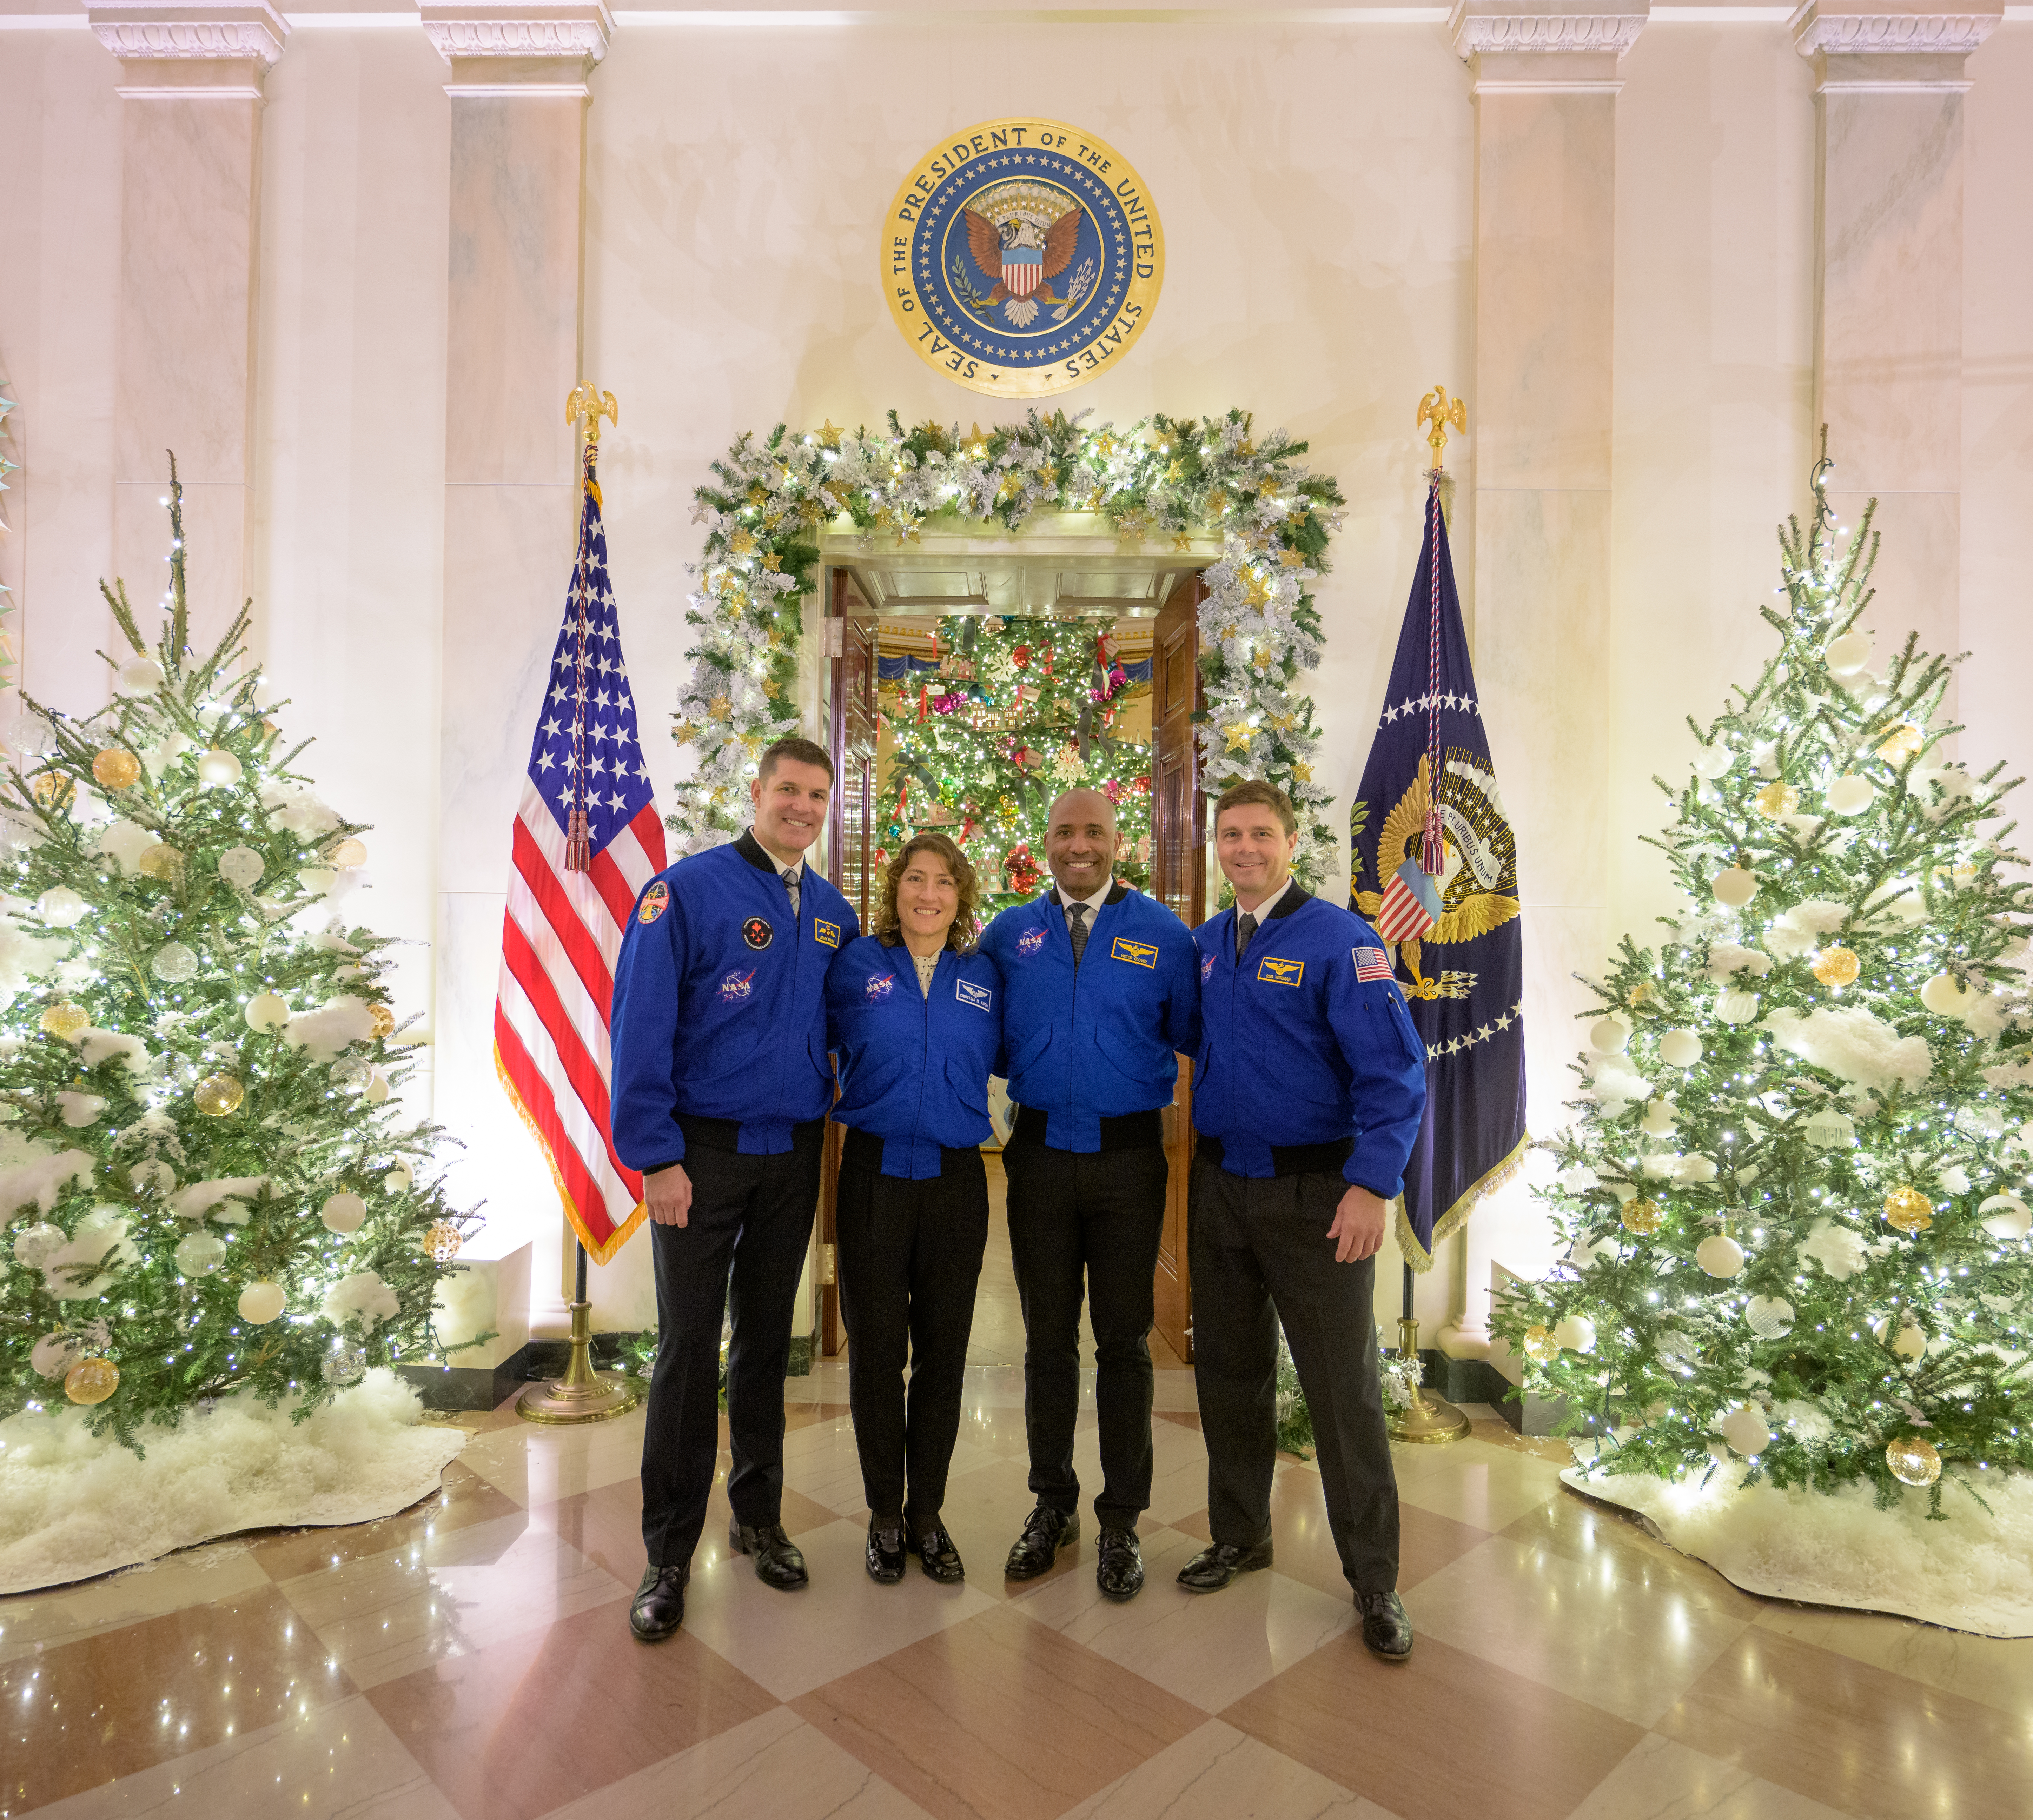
[[1018, 710], [204, 1184], [1794, 1186]]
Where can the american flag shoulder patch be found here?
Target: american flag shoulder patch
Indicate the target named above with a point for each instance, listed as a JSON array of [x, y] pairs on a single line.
[[1372, 964]]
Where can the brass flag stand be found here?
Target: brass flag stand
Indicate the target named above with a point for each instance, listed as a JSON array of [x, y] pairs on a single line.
[[1427, 1417], [583, 1395]]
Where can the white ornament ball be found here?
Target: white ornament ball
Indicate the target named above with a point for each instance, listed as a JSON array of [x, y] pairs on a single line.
[[200, 1254], [1746, 1430], [317, 880], [377, 1088], [1734, 1006], [174, 962], [32, 1244], [55, 1354], [266, 1011], [1719, 1255], [343, 1212], [260, 1302], [1735, 887], [154, 1174], [2005, 1216], [140, 676], [1829, 1129], [346, 1362], [1609, 1037], [219, 768], [1849, 796], [241, 866], [61, 907], [1679, 1049], [1712, 762], [1944, 995], [1574, 1333], [1849, 654], [1769, 1316], [1658, 1119], [399, 1180], [1909, 1342]]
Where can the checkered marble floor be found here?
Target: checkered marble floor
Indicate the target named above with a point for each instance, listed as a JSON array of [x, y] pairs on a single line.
[[471, 1657]]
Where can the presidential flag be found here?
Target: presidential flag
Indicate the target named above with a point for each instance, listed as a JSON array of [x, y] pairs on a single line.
[[586, 839], [1434, 868]]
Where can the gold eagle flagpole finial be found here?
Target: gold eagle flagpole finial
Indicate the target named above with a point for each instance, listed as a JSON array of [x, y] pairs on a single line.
[[586, 407], [1440, 410]]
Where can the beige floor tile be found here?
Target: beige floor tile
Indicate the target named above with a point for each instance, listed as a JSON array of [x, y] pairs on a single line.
[[774, 1764], [1473, 1482], [1211, 1647], [539, 1466], [1994, 1670], [389, 1615], [791, 1643], [334, 1763], [1663, 1781], [1648, 1637], [1218, 1773], [33, 1621]]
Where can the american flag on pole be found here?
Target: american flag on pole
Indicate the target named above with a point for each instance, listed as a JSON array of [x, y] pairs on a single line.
[[586, 839]]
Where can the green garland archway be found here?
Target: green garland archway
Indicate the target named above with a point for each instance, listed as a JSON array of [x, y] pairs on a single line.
[[1260, 632]]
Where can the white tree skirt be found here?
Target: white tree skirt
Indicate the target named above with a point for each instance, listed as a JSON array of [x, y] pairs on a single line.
[[73, 1504], [1973, 1572]]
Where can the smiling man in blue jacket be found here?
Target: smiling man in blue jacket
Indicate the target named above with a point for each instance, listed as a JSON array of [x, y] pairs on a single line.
[[1099, 989], [721, 1081], [1308, 1091]]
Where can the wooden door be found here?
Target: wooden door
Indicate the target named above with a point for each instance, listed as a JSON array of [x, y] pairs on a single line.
[[1178, 876], [850, 641]]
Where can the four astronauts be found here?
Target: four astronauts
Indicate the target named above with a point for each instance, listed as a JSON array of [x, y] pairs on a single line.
[[747, 988]]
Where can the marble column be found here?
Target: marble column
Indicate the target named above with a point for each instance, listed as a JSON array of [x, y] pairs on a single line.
[[1888, 107], [1545, 81], [518, 93], [190, 85]]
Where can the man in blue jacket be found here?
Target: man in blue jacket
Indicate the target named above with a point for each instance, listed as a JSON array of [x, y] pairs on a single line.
[[1100, 989], [721, 1082], [1308, 1091]]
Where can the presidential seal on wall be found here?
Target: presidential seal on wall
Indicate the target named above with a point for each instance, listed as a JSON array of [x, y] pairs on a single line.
[[1021, 256]]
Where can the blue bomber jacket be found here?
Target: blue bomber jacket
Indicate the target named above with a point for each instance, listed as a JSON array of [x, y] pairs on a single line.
[[720, 1004], [1306, 1044], [1096, 1041], [914, 1066]]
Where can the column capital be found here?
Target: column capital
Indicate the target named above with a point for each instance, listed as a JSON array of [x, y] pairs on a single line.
[[519, 47], [1889, 48], [1545, 47], [187, 48]]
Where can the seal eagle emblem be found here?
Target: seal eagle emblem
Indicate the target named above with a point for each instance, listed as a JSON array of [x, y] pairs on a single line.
[[1020, 243]]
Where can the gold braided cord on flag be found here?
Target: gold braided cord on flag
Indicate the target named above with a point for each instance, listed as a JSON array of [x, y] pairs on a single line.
[[1456, 1217], [619, 1236]]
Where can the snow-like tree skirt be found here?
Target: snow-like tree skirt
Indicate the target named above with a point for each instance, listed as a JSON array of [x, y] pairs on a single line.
[[1973, 1571], [73, 1504]]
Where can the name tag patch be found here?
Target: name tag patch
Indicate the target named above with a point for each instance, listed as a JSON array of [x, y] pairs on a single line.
[[1372, 964], [981, 998], [828, 933], [655, 900], [1280, 972], [1136, 954]]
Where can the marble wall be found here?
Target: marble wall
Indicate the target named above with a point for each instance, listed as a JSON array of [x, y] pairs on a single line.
[[1319, 185]]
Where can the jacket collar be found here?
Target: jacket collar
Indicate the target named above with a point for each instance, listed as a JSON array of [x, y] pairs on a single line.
[[751, 849], [1116, 892], [1294, 895]]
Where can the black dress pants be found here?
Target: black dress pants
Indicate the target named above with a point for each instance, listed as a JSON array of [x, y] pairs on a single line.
[[910, 1259], [751, 1223], [1260, 1255], [1087, 1220]]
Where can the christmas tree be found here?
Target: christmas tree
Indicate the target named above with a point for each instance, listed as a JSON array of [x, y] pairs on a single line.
[[202, 1181], [1019, 710], [1794, 1190]]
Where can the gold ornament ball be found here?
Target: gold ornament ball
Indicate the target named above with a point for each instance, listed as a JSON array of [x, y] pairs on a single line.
[[65, 1021], [1909, 1209], [1640, 1217], [348, 855], [93, 1380], [53, 789], [1641, 994], [441, 1242], [1541, 1345], [1901, 743], [383, 1019], [116, 770], [1837, 966], [1913, 1461], [218, 1095], [162, 861], [1778, 798]]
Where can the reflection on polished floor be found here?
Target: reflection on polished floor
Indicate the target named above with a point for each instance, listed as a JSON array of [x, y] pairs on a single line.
[[471, 1658]]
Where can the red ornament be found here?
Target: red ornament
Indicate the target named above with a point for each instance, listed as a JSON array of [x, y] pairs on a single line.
[[1021, 657]]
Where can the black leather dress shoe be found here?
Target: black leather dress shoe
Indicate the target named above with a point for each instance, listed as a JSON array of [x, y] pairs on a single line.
[[937, 1555], [1046, 1531], [1212, 1568], [778, 1562], [1385, 1628], [884, 1554], [1119, 1572], [660, 1603]]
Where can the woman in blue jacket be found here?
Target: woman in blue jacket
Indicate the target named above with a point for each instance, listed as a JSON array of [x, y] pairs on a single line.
[[915, 1012]]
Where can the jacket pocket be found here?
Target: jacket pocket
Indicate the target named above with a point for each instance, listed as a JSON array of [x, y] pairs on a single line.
[[1033, 1047], [969, 1081], [1401, 1040], [1133, 1061]]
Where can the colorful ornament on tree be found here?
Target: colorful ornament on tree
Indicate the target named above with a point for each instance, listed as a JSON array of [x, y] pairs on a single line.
[[1913, 1460], [1641, 1216], [1901, 743], [1837, 966], [91, 1380], [116, 769], [161, 862], [441, 1243], [218, 1095], [1778, 798], [65, 1019], [1908, 1210]]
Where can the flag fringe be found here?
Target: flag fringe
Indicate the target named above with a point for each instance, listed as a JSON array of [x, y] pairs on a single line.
[[619, 1236], [1456, 1217]]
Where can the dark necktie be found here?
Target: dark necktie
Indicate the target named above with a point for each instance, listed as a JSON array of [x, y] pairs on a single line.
[[791, 884], [1077, 927], [1245, 929]]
